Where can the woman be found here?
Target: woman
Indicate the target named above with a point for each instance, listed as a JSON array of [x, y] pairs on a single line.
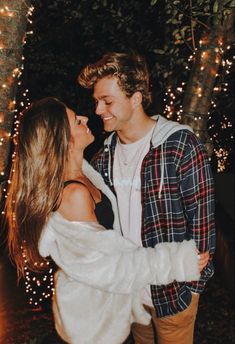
[[57, 206]]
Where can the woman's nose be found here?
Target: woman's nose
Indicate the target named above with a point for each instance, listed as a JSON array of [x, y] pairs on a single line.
[[84, 119]]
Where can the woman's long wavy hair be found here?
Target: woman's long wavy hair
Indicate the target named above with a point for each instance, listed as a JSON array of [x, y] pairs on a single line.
[[36, 179]]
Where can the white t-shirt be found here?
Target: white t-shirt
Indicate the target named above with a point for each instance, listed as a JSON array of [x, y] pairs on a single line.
[[126, 177]]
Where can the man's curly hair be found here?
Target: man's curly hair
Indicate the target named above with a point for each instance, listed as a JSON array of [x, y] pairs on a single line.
[[130, 70]]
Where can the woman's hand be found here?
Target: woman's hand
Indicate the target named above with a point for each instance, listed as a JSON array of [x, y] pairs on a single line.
[[203, 259]]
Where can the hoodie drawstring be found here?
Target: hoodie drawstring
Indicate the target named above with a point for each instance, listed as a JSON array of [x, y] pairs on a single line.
[[162, 171], [107, 149]]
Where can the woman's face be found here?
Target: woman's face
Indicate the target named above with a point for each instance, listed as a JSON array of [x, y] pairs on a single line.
[[80, 133]]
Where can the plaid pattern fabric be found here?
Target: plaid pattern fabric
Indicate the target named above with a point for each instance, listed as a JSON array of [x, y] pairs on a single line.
[[184, 208]]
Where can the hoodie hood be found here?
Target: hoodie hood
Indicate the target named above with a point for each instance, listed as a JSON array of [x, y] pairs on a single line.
[[163, 129]]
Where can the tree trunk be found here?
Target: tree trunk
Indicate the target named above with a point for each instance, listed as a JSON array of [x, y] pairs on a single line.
[[13, 21], [197, 99]]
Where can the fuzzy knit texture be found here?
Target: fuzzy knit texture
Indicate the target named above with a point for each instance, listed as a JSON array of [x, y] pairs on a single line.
[[98, 284]]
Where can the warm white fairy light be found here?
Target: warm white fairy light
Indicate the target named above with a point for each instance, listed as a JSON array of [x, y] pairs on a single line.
[[6, 11], [172, 102], [222, 153], [222, 156], [41, 287], [169, 109], [46, 280]]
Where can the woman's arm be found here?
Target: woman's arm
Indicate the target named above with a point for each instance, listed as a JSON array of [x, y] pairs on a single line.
[[104, 259]]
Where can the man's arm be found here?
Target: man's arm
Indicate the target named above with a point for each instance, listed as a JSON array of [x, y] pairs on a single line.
[[197, 190]]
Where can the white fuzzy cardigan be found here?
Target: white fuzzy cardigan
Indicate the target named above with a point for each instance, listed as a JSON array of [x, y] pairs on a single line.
[[97, 288]]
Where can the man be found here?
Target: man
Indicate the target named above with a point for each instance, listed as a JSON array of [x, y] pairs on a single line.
[[161, 176]]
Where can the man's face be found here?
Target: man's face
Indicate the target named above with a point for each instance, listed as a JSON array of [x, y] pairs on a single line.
[[112, 105]]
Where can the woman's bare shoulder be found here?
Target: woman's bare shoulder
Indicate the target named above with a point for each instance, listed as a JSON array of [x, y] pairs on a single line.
[[77, 203]]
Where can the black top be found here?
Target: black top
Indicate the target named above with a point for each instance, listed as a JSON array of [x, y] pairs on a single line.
[[103, 209]]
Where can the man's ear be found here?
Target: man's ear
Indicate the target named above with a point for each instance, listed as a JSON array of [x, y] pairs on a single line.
[[136, 98]]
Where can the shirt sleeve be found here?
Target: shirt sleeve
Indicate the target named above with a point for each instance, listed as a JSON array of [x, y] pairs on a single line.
[[197, 190]]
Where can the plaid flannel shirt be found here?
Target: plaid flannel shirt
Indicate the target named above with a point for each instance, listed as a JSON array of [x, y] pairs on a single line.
[[183, 210]]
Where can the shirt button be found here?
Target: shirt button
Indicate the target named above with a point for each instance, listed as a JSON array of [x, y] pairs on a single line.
[[106, 174], [106, 149]]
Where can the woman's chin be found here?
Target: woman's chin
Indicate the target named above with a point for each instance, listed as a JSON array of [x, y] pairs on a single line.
[[92, 138]]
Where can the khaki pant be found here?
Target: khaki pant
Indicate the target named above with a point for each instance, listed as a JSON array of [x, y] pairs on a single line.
[[175, 329]]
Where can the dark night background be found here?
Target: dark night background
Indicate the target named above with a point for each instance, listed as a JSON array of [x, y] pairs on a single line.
[[69, 34]]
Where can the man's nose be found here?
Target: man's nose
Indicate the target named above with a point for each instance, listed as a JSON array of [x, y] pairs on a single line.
[[99, 110]]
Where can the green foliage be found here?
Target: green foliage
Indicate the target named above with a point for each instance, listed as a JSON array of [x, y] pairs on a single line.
[[153, 2], [216, 7]]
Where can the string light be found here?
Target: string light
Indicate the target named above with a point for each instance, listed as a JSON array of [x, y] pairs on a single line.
[[38, 287], [223, 142], [8, 78], [173, 108], [222, 156]]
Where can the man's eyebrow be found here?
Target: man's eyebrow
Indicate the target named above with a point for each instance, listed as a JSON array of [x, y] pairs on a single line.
[[102, 97]]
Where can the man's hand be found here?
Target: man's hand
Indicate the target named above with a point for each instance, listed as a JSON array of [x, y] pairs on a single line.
[[203, 259]]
